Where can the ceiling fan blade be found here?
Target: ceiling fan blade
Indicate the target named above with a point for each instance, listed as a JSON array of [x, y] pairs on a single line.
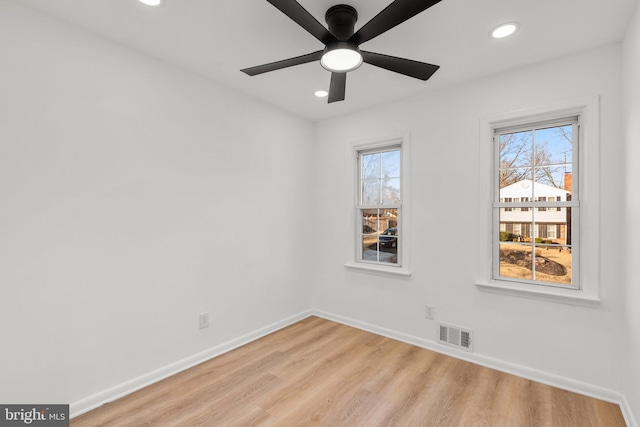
[[408, 67], [302, 17], [303, 59], [394, 14], [337, 87]]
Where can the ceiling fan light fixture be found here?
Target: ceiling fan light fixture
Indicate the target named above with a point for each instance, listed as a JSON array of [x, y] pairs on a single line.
[[504, 30], [341, 59], [321, 93]]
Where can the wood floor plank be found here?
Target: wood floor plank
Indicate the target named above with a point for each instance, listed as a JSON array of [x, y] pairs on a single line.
[[479, 406], [321, 373]]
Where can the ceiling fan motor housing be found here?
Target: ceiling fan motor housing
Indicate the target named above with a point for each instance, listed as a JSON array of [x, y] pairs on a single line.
[[341, 20]]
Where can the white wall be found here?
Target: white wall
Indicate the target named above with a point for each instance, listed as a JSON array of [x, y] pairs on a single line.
[[578, 343], [631, 70], [133, 197]]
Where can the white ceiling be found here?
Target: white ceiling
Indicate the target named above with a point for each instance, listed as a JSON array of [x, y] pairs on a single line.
[[217, 38]]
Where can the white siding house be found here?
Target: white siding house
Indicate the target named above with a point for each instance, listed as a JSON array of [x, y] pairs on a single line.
[[549, 223]]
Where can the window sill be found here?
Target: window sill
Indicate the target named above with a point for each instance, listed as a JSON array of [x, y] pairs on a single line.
[[552, 294], [380, 270]]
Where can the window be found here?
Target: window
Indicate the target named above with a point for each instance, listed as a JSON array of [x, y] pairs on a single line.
[[381, 224], [379, 204], [508, 200], [517, 229], [542, 199], [536, 190], [580, 229]]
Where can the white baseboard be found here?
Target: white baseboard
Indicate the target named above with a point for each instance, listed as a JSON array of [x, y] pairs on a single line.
[[497, 364], [627, 412], [121, 390]]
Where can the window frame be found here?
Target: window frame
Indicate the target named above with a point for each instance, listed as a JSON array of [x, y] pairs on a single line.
[[539, 203], [356, 263], [587, 170]]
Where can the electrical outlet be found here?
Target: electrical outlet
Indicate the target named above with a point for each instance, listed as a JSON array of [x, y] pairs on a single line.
[[204, 320], [430, 311]]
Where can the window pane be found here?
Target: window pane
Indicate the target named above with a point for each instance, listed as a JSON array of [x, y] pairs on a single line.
[[388, 218], [390, 167], [549, 177], [388, 243], [552, 263], [370, 248], [370, 224], [516, 225], [516, 182], [370, 166], [553, 161], [371, 193], [388, 240], [516, 261], [545, 193], [391, 191], [554, 145], [515, 149]]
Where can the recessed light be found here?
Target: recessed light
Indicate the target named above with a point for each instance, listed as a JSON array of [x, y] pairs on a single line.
[[504, 30], [321, 93], [151, 2]]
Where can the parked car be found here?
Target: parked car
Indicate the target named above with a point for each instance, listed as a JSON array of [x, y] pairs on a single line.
[[388, 237]]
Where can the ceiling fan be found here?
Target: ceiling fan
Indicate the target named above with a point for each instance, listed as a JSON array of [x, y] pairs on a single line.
[[342, 53]]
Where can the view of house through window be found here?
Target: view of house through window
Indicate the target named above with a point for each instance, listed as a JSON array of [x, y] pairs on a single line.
[[379, 203], [537, 203]]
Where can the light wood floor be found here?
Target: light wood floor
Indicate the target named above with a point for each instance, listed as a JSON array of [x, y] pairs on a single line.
[[320, 373]]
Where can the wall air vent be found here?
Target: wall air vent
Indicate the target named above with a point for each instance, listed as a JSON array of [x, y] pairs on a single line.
[[455, 336]]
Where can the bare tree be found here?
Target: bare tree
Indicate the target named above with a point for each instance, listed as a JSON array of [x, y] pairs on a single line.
[[514, 149], [521, 159]]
